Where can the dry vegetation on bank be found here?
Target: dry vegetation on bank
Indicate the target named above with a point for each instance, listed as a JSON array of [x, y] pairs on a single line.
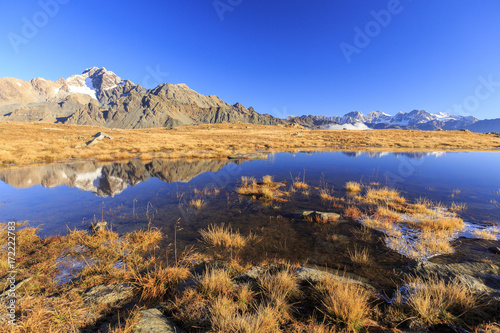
[[22, 144], [215, 295]]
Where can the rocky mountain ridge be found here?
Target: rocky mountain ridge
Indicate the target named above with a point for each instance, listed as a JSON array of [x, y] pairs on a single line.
[[416, 119], [99, 97]]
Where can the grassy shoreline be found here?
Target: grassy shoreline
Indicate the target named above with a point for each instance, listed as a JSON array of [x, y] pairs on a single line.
[[25, 144], [100, 280]]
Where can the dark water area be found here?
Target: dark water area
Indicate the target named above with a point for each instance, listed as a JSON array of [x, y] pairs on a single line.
[[135, 194]]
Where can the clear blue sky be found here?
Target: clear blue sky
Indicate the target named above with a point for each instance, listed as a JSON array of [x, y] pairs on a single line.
[[281, 57]]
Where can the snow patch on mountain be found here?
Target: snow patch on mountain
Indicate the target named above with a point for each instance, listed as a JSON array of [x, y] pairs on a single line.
[[357, 126]]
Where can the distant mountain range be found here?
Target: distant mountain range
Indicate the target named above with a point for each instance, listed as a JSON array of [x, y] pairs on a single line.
[[99, 97], [416, 119]]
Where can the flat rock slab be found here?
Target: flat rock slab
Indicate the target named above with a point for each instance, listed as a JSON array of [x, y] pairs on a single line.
[[304, 274], [153, 321], [477, 275], [248, 157], [323, 215], [109, 294]]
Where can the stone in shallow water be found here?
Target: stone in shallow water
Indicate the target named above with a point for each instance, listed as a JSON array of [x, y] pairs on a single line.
[[324, 215], [153, 321]]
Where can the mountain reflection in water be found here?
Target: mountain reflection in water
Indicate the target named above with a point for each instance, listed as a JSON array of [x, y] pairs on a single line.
[[108, 180]]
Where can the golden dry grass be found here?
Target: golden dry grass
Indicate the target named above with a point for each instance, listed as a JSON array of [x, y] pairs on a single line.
[[385, 225], [490, 234], [359, 256], [215, 282], [279, 285], [447, 223], [353, 187], [225, 319], [267, 190], [435, 301], [300, 185], [36, 143], [326, 196], [158, 283], [219, 235], [196, 203], [385, 213], [352, 212], [319, 219], [39, 260], [345, 304], [207, 191], [384, 194], [267, 179]]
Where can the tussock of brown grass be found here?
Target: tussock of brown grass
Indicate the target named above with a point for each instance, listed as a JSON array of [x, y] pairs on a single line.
[[353, 187], [196, 203], [247, 180], [300, 185], [426, 245], [267, 179], [385, 213], [343, 303], [158, 283], [144, 240], [490, 234], [266, 190], [359, 256], [279, 285], [435, 301], [384, 225], [457, 207], [447, 223], [214, 283], [326, 196], [207, 191], [316, 218], [384, 194], [265, 319], [352, 212], [215, 235]]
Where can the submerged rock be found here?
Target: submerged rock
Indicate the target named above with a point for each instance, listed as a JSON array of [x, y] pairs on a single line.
[[98, 226], [323, 215], [153, 321]]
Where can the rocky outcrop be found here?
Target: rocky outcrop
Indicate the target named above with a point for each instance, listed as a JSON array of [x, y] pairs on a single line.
[[153, 321], [99, 97], [482, 277], [113, 294]]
